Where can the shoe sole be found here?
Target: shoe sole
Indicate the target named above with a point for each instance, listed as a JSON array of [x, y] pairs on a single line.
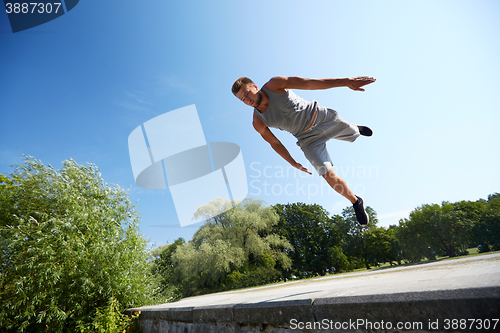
[[365, 130]]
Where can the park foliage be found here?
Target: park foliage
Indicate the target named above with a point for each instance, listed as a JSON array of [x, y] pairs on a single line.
[[233, 249], [72, 258]]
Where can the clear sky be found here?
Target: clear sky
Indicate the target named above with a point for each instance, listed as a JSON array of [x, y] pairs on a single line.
[[77, 86]]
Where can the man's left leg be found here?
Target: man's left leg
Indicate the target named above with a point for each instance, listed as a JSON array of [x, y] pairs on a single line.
[[339, 185], [319, 157]]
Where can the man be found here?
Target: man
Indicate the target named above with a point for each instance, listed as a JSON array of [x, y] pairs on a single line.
[[275, 105]]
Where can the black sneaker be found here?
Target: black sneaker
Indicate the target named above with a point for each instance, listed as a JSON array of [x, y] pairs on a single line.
[[361, 215], [365, 130]]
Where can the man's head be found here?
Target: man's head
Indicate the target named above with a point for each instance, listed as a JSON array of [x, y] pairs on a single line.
[[239, 83], [247, 91]]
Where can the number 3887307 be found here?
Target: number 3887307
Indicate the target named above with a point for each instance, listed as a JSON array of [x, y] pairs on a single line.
[[32, 7]]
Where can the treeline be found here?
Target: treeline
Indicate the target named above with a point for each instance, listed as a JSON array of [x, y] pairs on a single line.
[[252, 244]]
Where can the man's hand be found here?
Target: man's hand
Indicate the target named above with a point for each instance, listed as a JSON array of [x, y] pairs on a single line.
[[301, 168], [355, 83]]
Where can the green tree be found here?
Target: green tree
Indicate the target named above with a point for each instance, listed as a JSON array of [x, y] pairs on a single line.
[[486, 231], [414, 243], [314, 238], [471, 210], [494, 197], [378, 245], [163, 270], [239, 239], [396, 251], [353, 236], [436, 230], [416, 233], [70, 245], [452, 230], [5, 212]]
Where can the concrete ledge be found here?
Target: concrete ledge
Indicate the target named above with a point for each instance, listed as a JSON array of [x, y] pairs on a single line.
[[479, 303], [326, 309], [213, 313], [274, 313], [424, 307]]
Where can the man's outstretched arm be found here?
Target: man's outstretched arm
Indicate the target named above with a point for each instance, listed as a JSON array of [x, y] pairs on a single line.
[[276, 144], [283, 83]]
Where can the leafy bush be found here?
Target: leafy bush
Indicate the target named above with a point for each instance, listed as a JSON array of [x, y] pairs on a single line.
[[109, 319], [70, 245]]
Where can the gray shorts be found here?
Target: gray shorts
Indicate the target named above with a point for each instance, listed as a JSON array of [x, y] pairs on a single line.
[[328, 125]]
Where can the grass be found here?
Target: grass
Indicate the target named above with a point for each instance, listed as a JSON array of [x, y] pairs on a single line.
[[472, 253]]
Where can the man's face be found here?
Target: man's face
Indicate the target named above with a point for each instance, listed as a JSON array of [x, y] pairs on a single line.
[[250, 95]]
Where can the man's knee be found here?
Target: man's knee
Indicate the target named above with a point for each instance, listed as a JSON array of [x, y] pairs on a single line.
[[329, 173], [325, 169]]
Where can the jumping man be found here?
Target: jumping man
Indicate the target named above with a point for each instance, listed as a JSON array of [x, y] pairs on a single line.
[[275, 105]]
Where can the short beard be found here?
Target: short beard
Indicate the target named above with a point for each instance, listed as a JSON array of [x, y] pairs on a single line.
[[259, 100]]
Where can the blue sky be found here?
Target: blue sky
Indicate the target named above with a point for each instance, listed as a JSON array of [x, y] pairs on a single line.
[[77, 86]]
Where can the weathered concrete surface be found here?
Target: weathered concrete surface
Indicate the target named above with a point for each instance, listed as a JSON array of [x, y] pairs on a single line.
[[439, 295]]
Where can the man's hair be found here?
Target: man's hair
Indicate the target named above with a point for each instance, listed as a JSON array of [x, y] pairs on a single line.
[[239, 83]]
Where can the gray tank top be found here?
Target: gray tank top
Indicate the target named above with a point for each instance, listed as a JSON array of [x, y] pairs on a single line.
[[287, 112]]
